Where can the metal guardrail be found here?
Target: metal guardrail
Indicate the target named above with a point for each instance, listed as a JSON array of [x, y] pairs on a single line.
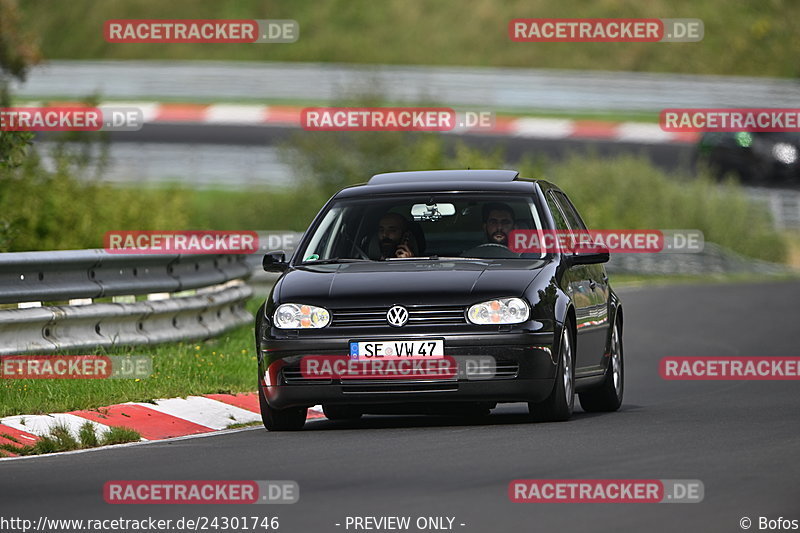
[[784, 204], [489, 88], [56, 293], [714, 259]]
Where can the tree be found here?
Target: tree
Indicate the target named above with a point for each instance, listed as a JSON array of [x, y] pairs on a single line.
[[18, 52]]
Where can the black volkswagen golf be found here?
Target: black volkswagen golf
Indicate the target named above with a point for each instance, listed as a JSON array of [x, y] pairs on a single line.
[[405, 296]]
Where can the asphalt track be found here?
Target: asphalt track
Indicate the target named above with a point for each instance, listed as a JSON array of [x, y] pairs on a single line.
[[670, 156], [740, 438]]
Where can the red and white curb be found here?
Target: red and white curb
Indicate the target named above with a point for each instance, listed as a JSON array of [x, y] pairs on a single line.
[[164, 419], [509, 126]]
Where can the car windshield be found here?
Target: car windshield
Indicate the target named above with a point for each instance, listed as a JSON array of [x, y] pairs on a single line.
[[425, 227]]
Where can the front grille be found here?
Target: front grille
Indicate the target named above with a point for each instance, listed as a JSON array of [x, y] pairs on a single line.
[[418, 315], [294, 376], [506, 369], [503, 369], [397, 387]]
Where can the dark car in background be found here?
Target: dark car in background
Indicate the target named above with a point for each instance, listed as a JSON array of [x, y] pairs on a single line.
[[416, 265], [756, 158]]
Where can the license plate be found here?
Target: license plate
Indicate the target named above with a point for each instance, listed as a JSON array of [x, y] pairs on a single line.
[[397, 349]]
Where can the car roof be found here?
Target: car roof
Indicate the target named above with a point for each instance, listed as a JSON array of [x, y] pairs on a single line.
[[444, 175], [441, 181]]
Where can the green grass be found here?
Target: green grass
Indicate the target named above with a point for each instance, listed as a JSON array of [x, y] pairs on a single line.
[[88, 436], [619, 281], [119, 435], [226, 364], [61, 439], [243, 425], [748, 38]]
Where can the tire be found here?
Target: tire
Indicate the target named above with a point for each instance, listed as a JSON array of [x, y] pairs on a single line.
[[291, 419], [608, 396], [558, 406], [341, 412]]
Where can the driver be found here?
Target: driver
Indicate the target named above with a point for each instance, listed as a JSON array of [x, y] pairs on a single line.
[[394, 236], [498, 222]]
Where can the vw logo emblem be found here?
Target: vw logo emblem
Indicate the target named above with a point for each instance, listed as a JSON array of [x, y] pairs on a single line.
[[397, 316]]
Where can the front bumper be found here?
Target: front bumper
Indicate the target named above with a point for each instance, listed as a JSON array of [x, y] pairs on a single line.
[[525, 371]]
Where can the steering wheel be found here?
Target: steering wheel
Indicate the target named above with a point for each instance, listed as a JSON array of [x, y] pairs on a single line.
[[361, 253], [489, 250]]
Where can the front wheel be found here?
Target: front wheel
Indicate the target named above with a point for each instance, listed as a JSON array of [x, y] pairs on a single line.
[[608, 396], [558, 406], [291, 419]]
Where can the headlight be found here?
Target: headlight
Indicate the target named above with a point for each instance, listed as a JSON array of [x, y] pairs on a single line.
[[299, 316], [500, 311], [785, 153]]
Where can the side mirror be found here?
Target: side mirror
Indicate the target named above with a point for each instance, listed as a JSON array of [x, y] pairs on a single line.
[[593, 258], [588, 258], [275, 262]]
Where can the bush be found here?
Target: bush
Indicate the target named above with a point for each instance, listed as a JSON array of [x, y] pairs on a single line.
[[253, 210], [628, 192], [43, 209], [625, 192]]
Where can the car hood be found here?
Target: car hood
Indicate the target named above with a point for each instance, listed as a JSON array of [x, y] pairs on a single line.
[[440, 282]]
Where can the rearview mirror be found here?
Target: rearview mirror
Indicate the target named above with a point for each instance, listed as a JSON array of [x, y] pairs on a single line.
[[275, 261], [432, 211]]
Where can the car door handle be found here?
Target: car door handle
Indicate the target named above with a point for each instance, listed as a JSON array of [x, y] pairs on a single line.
[[592, 284], [605, 278]]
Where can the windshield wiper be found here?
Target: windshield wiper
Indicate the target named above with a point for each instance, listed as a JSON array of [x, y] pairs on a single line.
[[423, 258], [335, 260]]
